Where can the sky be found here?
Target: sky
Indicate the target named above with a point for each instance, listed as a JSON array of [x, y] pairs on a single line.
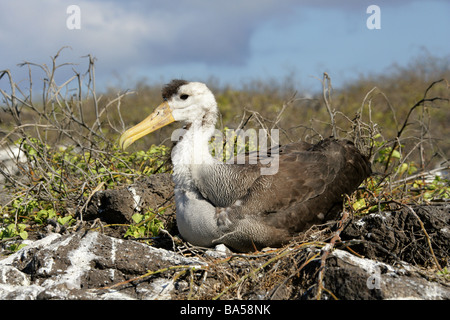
[[231, 41]]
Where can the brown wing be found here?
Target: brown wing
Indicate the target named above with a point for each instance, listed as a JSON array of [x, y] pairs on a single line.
[[266, 210], [314, 194], [224, 184]]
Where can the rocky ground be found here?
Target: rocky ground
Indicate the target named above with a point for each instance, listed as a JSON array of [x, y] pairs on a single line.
[[400, 254]]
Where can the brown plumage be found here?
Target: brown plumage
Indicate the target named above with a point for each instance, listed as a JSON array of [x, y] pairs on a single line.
[[308, 189], [236, 204]]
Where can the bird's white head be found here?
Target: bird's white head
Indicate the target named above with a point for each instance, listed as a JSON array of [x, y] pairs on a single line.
[[189, 102]]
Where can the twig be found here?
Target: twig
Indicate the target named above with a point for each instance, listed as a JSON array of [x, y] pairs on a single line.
[[405, 123], [151, 273], [97, 188], [297, 271], [326, 250], [326, 94], [419, 175], [251, 273], [422, 226]]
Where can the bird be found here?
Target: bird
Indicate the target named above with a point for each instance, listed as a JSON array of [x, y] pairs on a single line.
[[237, 204]]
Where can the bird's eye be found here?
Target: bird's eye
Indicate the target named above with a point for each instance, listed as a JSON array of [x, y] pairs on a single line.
[[184, 96]]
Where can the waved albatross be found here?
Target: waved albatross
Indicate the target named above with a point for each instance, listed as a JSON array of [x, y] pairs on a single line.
[[235, 204]]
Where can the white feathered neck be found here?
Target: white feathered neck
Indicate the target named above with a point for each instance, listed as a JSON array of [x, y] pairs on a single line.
[[192, 148]]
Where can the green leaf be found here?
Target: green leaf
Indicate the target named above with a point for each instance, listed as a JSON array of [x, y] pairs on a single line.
[[396, 154], [22, 245], [64, 220], [402, 169], [361, 203], [23, 234], [137, 217]]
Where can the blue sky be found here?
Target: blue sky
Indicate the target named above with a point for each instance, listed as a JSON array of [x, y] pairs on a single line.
[[232, 41]]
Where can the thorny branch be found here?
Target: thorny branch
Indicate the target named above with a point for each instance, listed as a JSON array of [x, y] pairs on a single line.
[[406, 122], [61, 120]]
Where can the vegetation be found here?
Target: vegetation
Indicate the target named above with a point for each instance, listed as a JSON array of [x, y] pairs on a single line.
[[67, 137]]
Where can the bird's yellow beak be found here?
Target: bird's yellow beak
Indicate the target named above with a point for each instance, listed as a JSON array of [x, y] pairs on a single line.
[[161, 117]]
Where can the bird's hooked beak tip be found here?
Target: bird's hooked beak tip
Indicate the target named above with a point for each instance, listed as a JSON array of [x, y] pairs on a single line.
[[161, 117]]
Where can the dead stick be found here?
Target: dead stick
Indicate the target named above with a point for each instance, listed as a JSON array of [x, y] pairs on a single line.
[[424, 231], [326, 252]]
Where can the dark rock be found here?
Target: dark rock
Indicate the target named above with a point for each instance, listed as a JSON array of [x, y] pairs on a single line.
[[350, 277], [95, 266], [117, 206], [398, 235], [79, 265]]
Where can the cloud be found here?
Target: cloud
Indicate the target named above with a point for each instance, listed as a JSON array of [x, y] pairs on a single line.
[[143, 35], [149, 32], [154, 33], [210, 32]]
